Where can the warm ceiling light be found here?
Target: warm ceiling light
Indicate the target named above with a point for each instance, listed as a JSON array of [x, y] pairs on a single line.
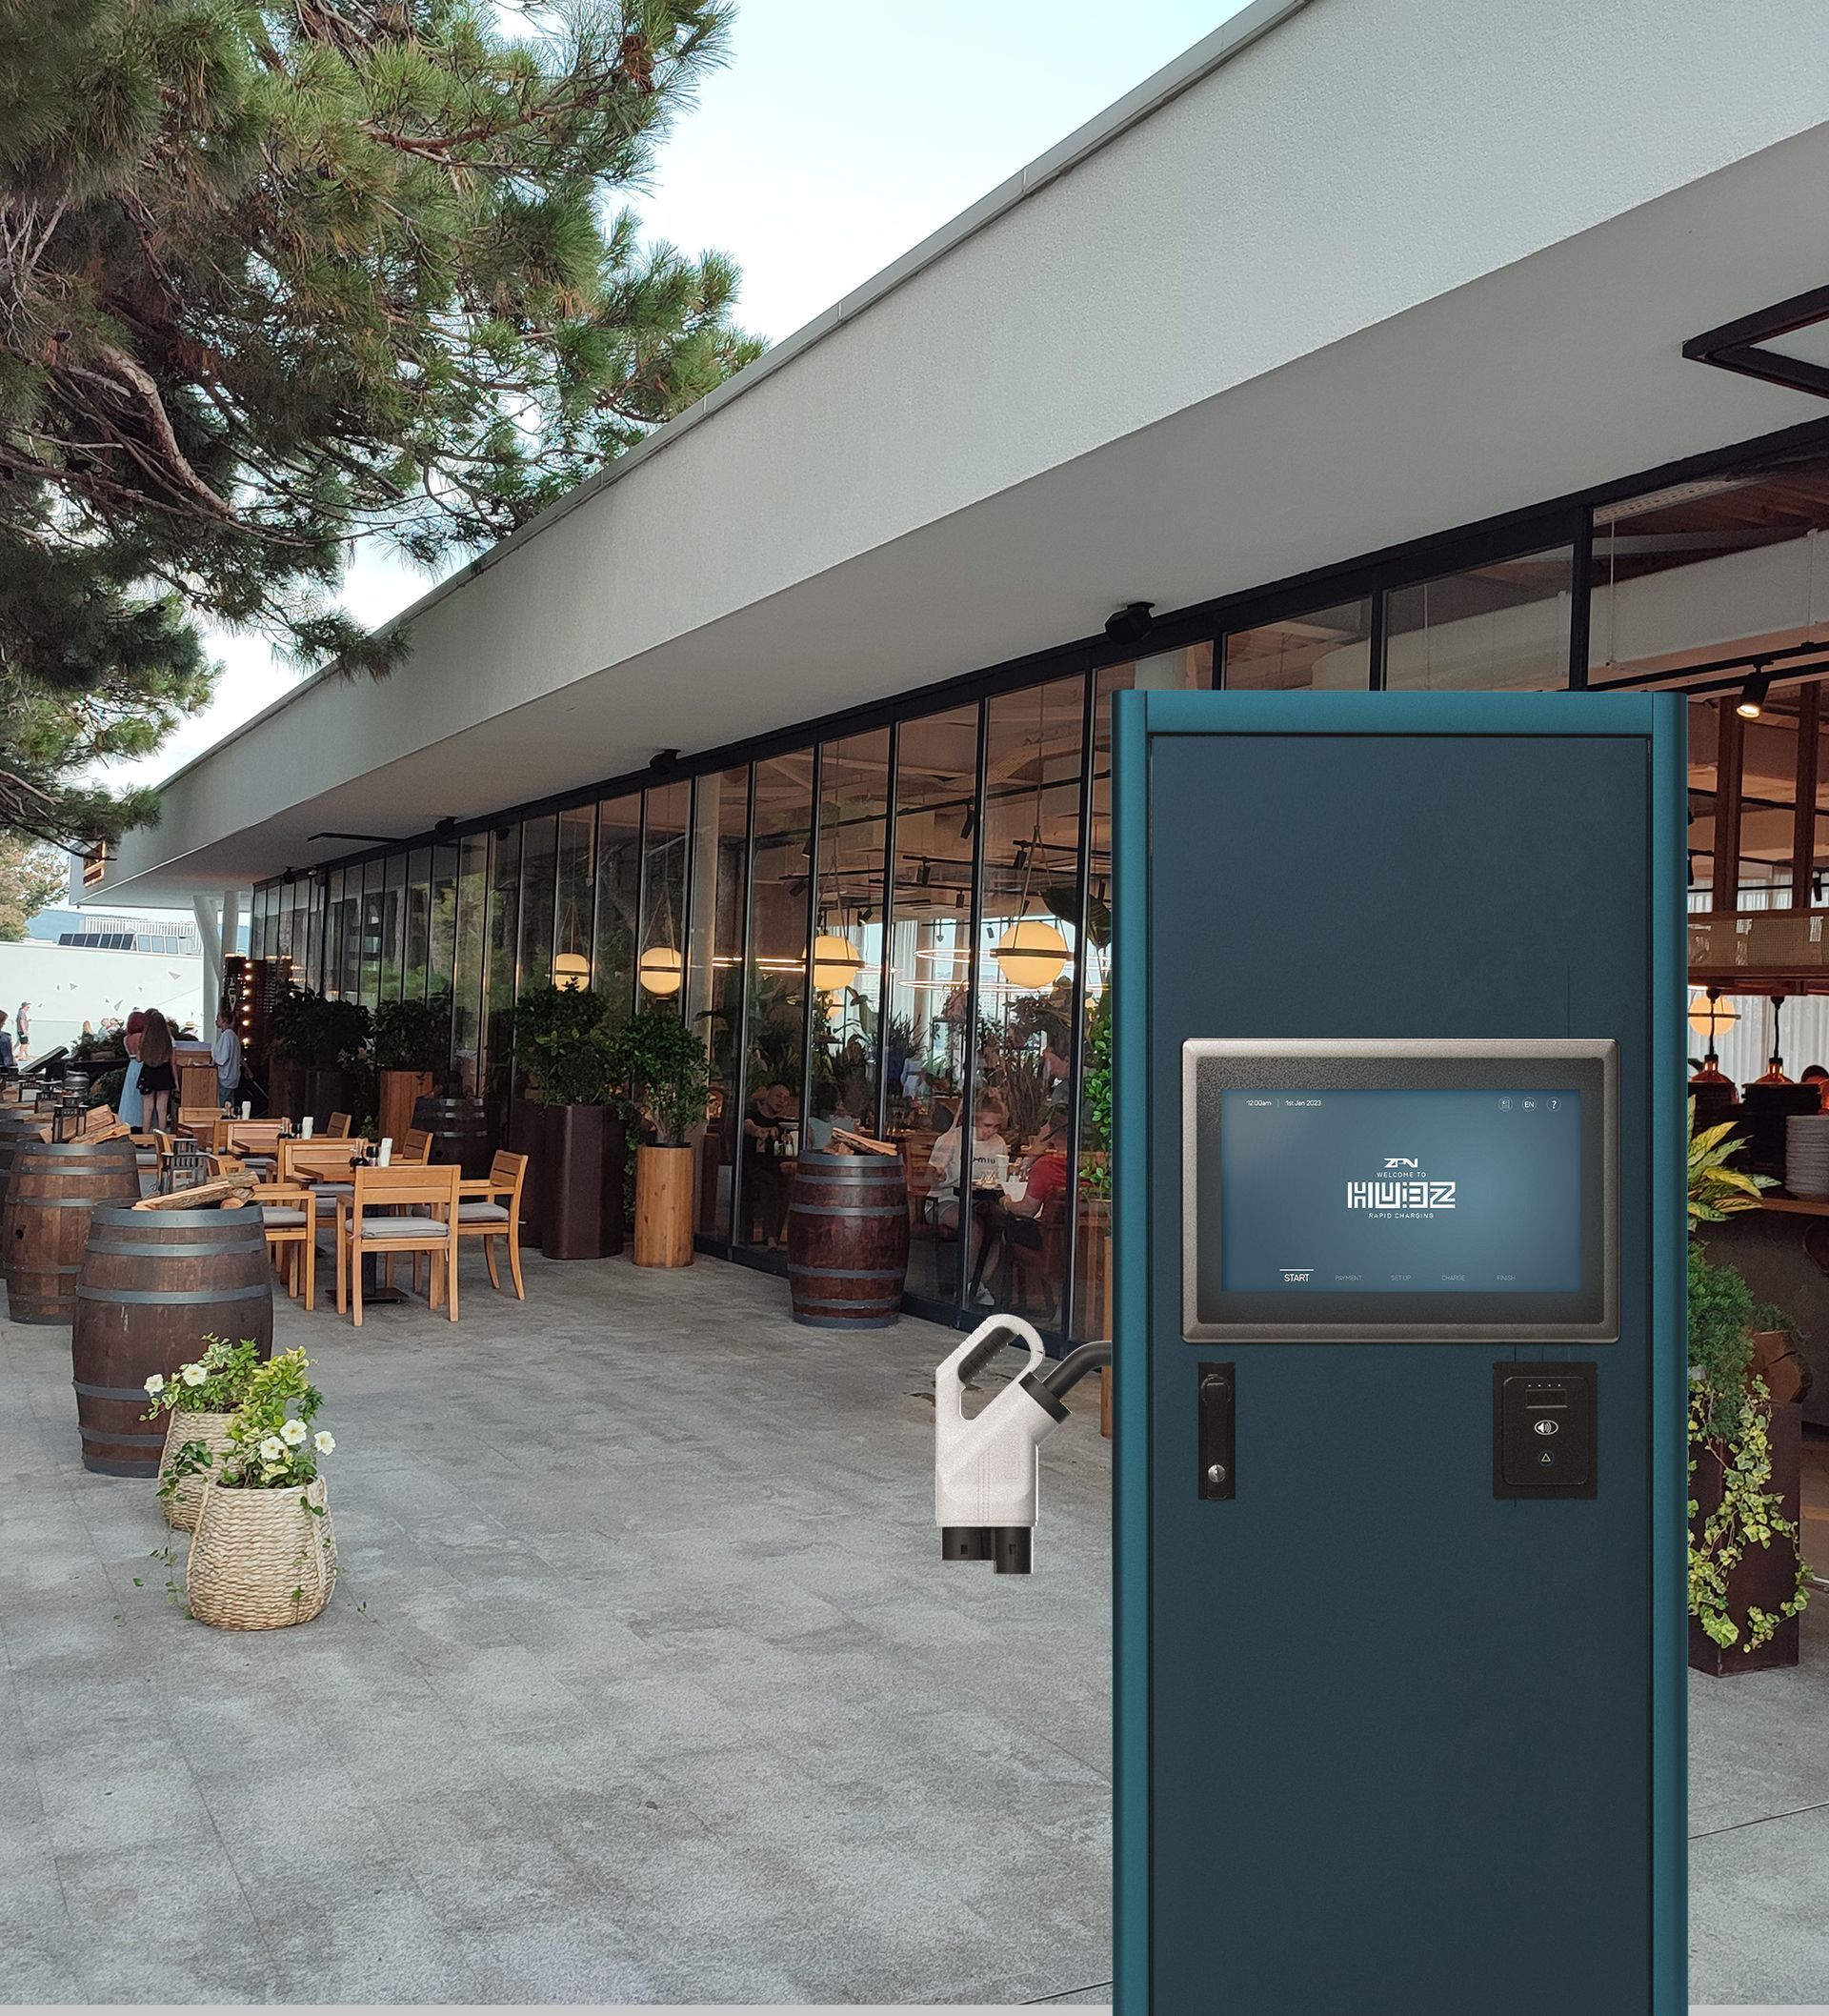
[[1032, 953], [662, 971], [1751, 703], [1710, 1013], [836, 963], [571, 970]]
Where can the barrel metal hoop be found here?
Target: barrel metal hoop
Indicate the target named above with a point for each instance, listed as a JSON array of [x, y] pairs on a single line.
[[181, 1298], [135, 1440], [244, 1244], [24, 1201], [845, 1274], [90, 1392], [846, 1210]]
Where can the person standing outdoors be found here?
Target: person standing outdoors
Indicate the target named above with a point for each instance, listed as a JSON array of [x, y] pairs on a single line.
[[131, 1107], [159, 1079], [226, 1049], [22, 1030]]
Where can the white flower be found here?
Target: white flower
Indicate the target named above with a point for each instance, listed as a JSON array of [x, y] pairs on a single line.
[[293, 1434], [323, 1442], [192, 1375], [273, 1449], [155, 1385]]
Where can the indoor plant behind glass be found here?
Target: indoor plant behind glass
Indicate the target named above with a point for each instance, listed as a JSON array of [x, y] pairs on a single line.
[[1748, 1582], [578, 1153], [323, 1040], [668, 1078]]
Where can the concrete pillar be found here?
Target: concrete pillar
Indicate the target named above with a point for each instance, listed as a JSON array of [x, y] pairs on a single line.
[[204, 909]]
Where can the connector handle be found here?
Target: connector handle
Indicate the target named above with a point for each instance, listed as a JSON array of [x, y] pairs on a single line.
[[956, 1370]]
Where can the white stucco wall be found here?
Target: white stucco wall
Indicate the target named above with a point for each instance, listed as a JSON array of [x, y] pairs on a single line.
[[1362, 159]]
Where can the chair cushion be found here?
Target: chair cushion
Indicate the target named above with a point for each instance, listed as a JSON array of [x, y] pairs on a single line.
[[474, 1212], [406, 1224], [281, 1215], [333, 1189]]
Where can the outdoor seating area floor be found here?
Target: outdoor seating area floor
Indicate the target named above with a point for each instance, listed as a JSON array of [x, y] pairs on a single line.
[[644, 1682]]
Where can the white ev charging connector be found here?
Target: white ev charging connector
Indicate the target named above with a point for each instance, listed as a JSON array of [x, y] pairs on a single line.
[[985, 1468]]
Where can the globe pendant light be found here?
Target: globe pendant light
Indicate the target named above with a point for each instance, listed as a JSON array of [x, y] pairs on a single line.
[[1710, 1013], [570, 970], [662, 971], [836, 963], [1033, 954]]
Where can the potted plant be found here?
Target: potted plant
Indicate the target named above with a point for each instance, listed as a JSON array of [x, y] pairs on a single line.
[[578, 1151], [668, 1078], [323, 1040], [1748, 1582], [411, 1053], [198, 1401], [264, 1555]]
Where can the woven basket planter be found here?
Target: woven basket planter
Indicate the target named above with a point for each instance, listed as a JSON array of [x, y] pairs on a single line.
[[259, 1560], [180, 1506]]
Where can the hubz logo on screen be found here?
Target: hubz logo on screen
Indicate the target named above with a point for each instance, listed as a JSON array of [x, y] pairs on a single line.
[[1412, 1193]]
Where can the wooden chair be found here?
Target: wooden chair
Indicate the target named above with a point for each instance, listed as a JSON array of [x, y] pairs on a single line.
[[289, 1215], [490, 1208], [255, 1141], [337, 1127], [205, 1122], [413, 1147], [391, 1211]]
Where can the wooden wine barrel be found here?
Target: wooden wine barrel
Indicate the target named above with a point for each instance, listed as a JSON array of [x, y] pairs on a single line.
[[16, 1127], [460, 1132], [53, 1187], [153, 1284], [848, 1241]]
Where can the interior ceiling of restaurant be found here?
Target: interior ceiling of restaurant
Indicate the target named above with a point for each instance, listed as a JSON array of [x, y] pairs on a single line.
[[1561, 371]]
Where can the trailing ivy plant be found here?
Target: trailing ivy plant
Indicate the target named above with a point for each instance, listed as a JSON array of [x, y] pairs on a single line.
[[1096, 1175], [1730, 1411]]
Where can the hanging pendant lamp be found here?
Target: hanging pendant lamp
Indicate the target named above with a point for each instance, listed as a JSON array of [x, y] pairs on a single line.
[[1032, 952]]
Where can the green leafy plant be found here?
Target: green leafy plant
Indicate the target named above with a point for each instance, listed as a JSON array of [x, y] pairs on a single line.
[[413, 1035], [316, 1031], [1715, 1190], [1730, 1411], [273, 1445], [1095, 1160], [215, 1383], [663, 1063], [563, 1039]]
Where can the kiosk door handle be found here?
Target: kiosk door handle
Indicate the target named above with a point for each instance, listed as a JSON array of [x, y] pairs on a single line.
[[1218, 1449]]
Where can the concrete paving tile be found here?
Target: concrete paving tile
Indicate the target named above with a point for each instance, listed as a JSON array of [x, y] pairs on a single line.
[[389, 1946], [166, 1921], [1745, 1762], [1757, 1933]]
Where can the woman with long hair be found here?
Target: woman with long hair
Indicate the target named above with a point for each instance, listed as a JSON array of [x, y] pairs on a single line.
[[159, 1078]]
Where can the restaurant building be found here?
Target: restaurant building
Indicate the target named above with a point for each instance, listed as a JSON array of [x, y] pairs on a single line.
[[1370, 346]]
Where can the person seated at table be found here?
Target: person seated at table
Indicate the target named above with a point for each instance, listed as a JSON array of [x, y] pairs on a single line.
[[990, 1161], [1041, 1173], [766, 1121], [1816, 1078]]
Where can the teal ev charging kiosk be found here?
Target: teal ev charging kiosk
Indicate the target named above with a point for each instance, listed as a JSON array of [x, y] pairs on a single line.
[[1399, 1354]]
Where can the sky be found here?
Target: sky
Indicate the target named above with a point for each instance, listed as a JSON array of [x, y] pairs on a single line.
[[838, 136]]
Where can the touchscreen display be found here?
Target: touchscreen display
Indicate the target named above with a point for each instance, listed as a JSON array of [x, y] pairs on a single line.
[[1414, 1191]]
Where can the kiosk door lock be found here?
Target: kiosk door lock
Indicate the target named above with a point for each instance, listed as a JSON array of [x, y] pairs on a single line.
[[1543, 1442], [1218, 1454]]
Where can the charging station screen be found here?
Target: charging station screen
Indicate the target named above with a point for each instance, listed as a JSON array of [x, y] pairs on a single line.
[[1403, 1192]]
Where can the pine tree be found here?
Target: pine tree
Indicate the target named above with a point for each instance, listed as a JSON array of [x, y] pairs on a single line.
[[272, 277], [33, 877]]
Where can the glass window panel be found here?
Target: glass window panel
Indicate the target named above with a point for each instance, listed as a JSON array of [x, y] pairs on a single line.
[[350, 979], [469, 907], [1327, 648], [539, 869], [848, 937], [1497, 628], [1705, 732], [660, 972], [415, 931], [394, 901], [316, 901], [334, 936], [1091, 1315], [1694, 572], [930, 951], [715, 978], [577, 896], [373, 879], [441, 926], [777, 988], [612, 967], [1029, 929], [500, 943], [1771, 748]]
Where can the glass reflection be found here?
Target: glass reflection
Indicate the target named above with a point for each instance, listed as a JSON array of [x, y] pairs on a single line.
[[612, 968], [715, 978], [1497, 628], [572, 931], [467, 942], [780, 893], [660, 972], [848, 938], [1323, 648]]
